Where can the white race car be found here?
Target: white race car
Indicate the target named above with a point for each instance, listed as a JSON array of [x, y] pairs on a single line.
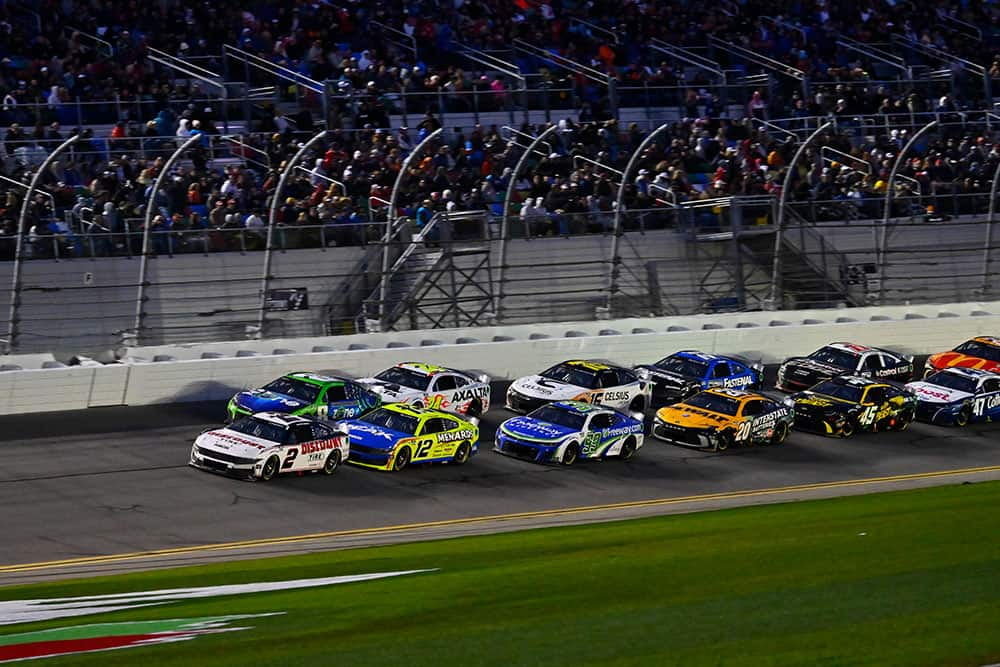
[[432, 387], [266, 444], [586, 381]]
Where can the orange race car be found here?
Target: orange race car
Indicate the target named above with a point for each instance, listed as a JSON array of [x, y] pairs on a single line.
[[717, 418], [982, 352]]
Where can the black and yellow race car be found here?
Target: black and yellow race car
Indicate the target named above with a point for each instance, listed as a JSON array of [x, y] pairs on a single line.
[[842, 406]]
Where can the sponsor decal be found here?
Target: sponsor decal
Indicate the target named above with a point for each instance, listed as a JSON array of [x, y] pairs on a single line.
[[610, 396], [737, 382], [225, 436], [454, 436], [984, 404], [370, 429], [931, 393], [624, 430], [320, 445]]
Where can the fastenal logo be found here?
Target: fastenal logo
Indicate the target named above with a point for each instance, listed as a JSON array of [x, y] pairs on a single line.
[[109, 636]]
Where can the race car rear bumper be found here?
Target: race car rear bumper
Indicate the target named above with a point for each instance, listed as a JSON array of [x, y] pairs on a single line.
[[524, 404], [523, 449], [688, 437], [204, 461]]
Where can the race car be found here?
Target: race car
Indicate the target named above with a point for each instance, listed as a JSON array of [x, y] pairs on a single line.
[[684, 374], [586, 381], [982, 352], [956, 396], [435, 387], [719, 418], [836, 359], [266, 444], [566, 431], [306, 394], [396, 435], [847, 404]]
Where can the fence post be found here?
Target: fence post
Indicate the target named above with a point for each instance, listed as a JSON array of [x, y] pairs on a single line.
[[15, 283], [272, 217], [988, 243]]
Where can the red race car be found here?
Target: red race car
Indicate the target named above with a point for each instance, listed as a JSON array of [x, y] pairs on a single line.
[[982, 352]]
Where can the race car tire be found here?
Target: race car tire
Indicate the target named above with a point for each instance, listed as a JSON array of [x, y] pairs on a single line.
[[780, 433], [638, 404], [627, 450], [928, 372], [848, 429], [402, 459], [964, 415], [475, 410], [723, 441], [462, 454], [332, 462], [270, 469], [904, 421], [417, 404], [571, 454]]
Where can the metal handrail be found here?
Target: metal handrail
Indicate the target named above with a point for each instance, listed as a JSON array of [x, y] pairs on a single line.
[[530, 138], [940, 55], [883, 57], [867, 168], [183, 69], [788, 26], [483, 58], [560, 61], [186, 63], [963, 26], [754, 57], [687, 56], [343, 188], [238, 140], [594, 27], [771, 126], [577, 158], [279, 71], [84, 33], [408, 42], [52, 200]]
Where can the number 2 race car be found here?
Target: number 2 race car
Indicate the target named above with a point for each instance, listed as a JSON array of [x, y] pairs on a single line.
[[957, 396], [982, 352], [432, 387], [587, 381], [306, 394], [843, 405], [396, 435], [842, 359], [566, 431], [684, 374], [718, 418], [268, 443]]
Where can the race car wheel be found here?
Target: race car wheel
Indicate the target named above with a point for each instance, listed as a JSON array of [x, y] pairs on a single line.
[[903, 421], [417, 404], [723, 441], [848, 429], [964, 415], [637, 405], [628, 450], [780, 433], [402, 459], [462, 454], [475, 410], [270, 469], [571, 454], [332, 462]]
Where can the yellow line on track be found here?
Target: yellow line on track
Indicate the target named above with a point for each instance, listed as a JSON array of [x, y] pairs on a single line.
[[658, 502]]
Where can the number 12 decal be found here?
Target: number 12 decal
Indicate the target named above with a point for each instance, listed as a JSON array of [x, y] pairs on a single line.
[[423, 449]]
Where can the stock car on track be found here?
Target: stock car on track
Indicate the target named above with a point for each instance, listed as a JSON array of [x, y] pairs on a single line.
[[269, 443], [982, 352], [685, 373], [434, 387], [844, 405], [396, 435], [718, 418], [306, 394], [956, 396], [836, 359], [586, 381], [566, 431]]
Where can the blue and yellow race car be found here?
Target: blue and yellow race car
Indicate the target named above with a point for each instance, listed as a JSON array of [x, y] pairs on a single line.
[[688, 372], [396, 435], [566, 431]]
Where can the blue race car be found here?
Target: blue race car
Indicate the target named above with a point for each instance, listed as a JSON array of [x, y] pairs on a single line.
[[957, 396], [566, 431], [686, 373], [306, 395]]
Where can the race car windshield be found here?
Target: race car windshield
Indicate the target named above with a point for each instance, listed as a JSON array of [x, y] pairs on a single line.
[[714, 403], [578, 377], [835, 357], [683, 366], [404, 377], [303, 391], [259, 428], [392, 421], [844, 392], [976, 349], [953, 381], [559, 417]]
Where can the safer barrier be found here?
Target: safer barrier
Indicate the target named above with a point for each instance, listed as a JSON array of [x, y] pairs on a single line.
[[215, 371]]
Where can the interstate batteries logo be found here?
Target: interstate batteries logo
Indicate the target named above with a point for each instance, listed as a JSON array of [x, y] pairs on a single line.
[[110, 636]]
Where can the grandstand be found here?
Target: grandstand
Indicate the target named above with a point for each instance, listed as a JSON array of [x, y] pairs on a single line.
[[484, 163]]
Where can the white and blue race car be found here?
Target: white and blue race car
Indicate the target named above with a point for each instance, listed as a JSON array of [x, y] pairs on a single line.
[[958, 396], [566, 431]]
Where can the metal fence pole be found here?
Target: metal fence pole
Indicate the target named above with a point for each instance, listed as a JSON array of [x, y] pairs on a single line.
[[140, 297], [272, 218], [15, 283], [619, 207], [988, 243], [776, 295], [505, 220], [887, 213]]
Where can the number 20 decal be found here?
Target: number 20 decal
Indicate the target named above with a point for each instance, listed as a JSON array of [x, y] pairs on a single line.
[[744, 431]]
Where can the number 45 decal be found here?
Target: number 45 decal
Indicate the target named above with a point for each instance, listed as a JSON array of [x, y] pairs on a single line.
[[867, 417]]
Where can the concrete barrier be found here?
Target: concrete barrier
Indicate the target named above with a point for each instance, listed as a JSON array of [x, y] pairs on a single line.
[[197, 373]]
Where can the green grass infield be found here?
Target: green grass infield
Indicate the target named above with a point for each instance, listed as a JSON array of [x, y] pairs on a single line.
[[906, 578]]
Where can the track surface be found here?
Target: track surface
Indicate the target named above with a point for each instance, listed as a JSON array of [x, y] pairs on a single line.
[[115, 480]]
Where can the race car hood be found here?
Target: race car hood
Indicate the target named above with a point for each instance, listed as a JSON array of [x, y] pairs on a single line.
[[932, 393], [949, 359], [261, 400], [370, 435], [391, 392], [231, 442], [813, 367], [536, 386], [691, 417], [809, 399], [668, 378], [534, 429]]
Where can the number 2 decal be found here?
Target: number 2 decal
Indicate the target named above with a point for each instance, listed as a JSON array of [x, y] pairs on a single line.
[[290, 458], [743, 432]]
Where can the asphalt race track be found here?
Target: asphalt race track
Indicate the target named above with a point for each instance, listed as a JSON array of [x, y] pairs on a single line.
[[116, 480]]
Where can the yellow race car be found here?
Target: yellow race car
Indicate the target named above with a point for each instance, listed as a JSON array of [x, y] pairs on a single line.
[[719, 418]]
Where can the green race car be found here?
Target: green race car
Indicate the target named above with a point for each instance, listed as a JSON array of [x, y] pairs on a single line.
[[306, 394]]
